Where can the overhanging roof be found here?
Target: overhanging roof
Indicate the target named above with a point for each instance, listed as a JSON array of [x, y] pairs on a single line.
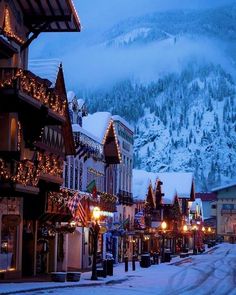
[[60, 15]]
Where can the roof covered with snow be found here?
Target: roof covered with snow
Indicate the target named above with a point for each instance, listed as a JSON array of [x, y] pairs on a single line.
[[45, 69], [224, 187], [179, 183], [123, 121], [97, 124], [78, 128]]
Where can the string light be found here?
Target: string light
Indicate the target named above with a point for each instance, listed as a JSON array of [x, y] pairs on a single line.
[[7, 29], [28, 173], [37, 90], [94, 171], [111, 125]]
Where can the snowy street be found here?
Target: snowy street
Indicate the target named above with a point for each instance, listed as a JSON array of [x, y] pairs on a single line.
[[210, 273]]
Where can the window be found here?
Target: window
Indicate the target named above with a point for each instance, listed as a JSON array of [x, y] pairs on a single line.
[[76, 174], [213, 206], [71, 172]]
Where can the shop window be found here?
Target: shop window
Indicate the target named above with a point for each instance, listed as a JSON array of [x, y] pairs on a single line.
[[8, 250]]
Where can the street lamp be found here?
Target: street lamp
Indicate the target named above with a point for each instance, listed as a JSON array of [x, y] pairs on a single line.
[[95, 232], [185, 229], [163, 228], [195, 228]]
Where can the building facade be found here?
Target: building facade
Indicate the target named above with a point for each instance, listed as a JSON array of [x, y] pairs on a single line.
[[226, 212], [33, 116]]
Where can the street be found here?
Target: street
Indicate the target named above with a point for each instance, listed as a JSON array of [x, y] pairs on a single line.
[[210, 273]]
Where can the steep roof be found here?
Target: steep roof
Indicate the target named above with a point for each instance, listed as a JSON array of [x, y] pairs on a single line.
[[97, 124], [45, 69], [174, 183], [216, 189]]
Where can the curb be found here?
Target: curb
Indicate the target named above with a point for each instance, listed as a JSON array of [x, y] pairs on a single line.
[[110, 282]]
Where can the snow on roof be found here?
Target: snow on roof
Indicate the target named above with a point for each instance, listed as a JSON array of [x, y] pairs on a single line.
[[223, 187], [70, 96], [78, 128], [141, 180], [179, 183], [195, 204], [45, 69], [97, 124], [123, 121], [80, 102]]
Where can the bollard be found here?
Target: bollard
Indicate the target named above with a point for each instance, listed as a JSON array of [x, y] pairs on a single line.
[[133, 263], [126, 264]]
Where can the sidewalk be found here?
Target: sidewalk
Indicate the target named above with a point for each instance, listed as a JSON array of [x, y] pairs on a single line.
[[119, 276]]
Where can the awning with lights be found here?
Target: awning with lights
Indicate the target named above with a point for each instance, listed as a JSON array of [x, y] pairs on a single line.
[[50, 15]]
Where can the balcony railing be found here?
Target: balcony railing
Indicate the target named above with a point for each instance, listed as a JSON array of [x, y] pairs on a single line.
[[125, 198], [31, 85], [28, 173]]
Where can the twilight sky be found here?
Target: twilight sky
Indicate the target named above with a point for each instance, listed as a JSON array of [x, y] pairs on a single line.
[[86, 64]]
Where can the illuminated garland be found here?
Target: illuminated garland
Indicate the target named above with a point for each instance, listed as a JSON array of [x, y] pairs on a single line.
[[4, 173], [108, 198], [37, 90], [28, 172], [63, 197], [7, 29], [19, 136], [94, 171]]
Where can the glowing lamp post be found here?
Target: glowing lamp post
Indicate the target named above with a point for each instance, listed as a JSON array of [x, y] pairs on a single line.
[[185, 229], [195, 228], [163, 228], [95, 232]]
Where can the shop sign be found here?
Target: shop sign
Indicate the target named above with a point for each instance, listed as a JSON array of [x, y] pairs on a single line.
[[11, 219]]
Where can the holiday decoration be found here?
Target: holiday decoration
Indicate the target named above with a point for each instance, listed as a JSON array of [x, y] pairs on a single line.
[[38, 90], [7, 28]]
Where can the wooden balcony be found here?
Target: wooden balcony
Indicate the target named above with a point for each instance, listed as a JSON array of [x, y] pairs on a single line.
[[24, 175], [21, 90]]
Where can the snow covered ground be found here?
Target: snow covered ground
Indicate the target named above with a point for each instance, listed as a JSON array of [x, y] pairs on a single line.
[[210, 273]]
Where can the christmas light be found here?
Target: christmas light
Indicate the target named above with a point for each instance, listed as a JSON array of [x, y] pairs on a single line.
[[37, 90], [7, 29]]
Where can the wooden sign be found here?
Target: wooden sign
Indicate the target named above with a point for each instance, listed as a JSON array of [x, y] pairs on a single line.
[[11, 219]]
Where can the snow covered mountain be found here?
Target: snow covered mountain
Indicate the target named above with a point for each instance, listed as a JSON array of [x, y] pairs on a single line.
[[184, 117]]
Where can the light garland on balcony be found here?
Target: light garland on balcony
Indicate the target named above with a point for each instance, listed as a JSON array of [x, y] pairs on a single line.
[[7, 29], [28, 172], [4, 173], [37, 90], [96, 172], [108, 198], [19, 136]]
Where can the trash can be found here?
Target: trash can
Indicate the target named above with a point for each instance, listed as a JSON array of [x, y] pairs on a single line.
[[155, 258], [110, 263], [145, 260], [167, 256]]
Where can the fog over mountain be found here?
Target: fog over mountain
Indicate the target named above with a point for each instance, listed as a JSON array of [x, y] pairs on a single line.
[[173, 66]]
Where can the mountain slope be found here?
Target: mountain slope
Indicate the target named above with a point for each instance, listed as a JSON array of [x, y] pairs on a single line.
[[184, 116]]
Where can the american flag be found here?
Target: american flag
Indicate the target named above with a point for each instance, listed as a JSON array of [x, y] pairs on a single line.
[[77, 209]]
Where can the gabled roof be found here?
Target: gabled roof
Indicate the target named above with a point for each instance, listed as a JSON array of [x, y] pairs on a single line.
[[97, 124], [123, 121], [45, 69], [174, 183], [60, 15], [206, 197], [216, 189]]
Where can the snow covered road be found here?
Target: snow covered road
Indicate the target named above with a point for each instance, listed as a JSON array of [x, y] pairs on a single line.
[[210, 273]]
